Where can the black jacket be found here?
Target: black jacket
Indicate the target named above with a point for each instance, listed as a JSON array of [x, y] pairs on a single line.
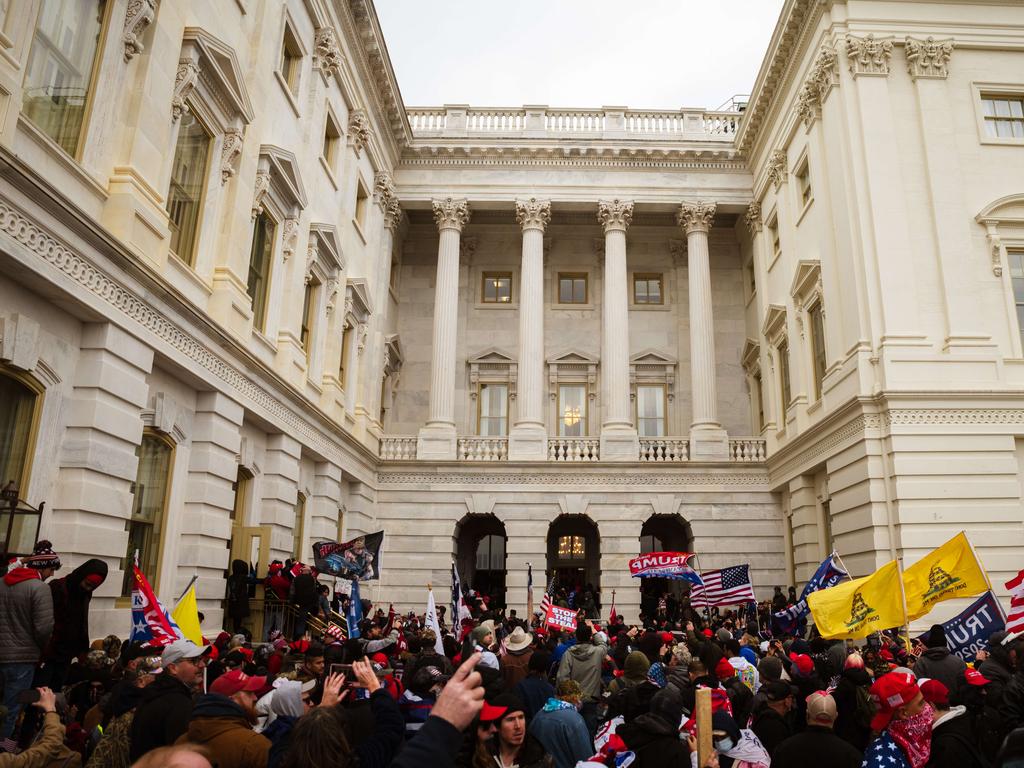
[[379, 750], [850, 725], [436, 744], [162, 715], [770, 728], [238, 590], [939, 664], [815, 746], [953, 744], [655, 742], [71, 611]]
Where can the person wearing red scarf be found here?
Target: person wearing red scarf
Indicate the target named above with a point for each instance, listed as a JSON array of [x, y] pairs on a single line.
[[905, 721]]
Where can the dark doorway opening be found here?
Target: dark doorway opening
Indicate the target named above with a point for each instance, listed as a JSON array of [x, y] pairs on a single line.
[[480, 555], [574, 557], [664, 533]]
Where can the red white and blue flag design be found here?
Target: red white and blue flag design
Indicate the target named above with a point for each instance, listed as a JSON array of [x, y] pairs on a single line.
[[664, 565], [151, 623], [728, 586]]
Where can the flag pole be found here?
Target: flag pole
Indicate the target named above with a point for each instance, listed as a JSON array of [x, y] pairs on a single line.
[[195, 578], [903, 598], [707, 605], [978, 563]]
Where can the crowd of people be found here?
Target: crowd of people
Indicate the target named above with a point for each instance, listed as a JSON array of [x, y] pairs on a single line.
[[493, 691]]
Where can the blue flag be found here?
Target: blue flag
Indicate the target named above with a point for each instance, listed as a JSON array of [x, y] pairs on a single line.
[[355, 610], [968, 632], [829, 573]]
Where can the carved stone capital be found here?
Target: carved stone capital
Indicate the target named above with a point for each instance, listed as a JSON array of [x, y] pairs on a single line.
[[825, 73], [289, 234], [332, 295], [184, 81], [678, 250], [869, 56], [361, 337], [928, 58], [383, 187], [326, 53], [808, 105], [450, 213], [752, 217], [615, 214], [140, 14], [777, 172], [358, 130], [533, 213], [696, 217], [230, 152], [260, 189], [467, 249]]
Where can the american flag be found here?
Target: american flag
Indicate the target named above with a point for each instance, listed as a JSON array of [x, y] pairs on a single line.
[[729, 586], [1015, 621], [545, 602]]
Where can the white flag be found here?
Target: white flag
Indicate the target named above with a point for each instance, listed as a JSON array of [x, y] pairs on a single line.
[[432, 623]]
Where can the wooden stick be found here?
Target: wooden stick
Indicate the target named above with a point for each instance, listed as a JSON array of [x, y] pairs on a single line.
[[705, 746]]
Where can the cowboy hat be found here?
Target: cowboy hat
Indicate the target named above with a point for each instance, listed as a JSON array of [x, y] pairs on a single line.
[[518, 640]]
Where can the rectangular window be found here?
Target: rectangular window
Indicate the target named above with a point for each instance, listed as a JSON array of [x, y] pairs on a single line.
[[783, 352], [751, 278], [291, 60], [362, 200], [1016, 259], [647, 289], [572, 548], [188, 177], [149, 505], [258, 285], [817, 324], [758, 401], [346, 338], [18, 408], [1004, 115], [572, 288], [309, 302], [773, 237], [572, 410], [803, 180], [60, 68], [497, 288], [332, 139], [493, 415], [650, 410], [299, 527]]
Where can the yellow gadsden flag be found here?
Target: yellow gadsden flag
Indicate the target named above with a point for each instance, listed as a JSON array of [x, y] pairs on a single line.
[[950, 571], [857, 608], [186, 616]]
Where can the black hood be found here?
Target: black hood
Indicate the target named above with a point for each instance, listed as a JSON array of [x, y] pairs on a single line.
[[216, 705], [88, 568], [163, 685], [124, 697], [239, 568], [857, 676]]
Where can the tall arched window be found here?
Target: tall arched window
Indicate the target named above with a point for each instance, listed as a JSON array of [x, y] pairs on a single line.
[[150, 492], [18, 403]]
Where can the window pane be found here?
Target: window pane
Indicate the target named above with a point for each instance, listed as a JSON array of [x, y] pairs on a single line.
[[988, 106], [17, 406], [59, 68], [259, 268], [1003, 130], [650, 411], [504, 289], [188, 173], [493, 410], [654, 290], [1002, 108], [579, 291], [1018, 130], [640, 291], [818, 347], [784, 376], [298, 527], [572, 420], [149, 498], [565, 291], [1017, 108]]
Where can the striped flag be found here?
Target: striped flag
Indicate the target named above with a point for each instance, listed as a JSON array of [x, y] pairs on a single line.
[[1015, 619], [460, 610], [728, 586], [529, 591], [545, 602]]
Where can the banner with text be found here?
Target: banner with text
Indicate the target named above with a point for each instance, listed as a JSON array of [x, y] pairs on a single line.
[[968, 632], [665, 565], [561, 618], [356, 559]]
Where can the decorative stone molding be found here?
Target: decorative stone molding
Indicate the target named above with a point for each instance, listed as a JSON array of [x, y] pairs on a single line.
[[323, 258], [19, 342], [278, 184], [450, 213], [289, 235], [572, 366], [626, 479], [868, 55], [140, 14], [598, 243], [750, 357], [467, 249], [777, 173], [332, 295], [928, 58], [825, 72], [652, 367], [1006, 212], [326, 54], [184, 81], [696, 217], [384, 193], [615, 214], [678, 250], [752, 218], [492, 366], [358, 130], [533, 213], [361, 337], [808, 106], [230, 152], [260, 189], [806, 290]]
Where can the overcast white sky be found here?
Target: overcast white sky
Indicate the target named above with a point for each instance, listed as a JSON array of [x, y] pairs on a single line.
[[657, 54]]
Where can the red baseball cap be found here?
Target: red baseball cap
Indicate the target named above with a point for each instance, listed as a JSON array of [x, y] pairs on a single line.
[[804, 663], [491, 712], [724, 670], [890, 692], [666, 638], [934, 691], [707, 632], [236, 680], [974, 677]]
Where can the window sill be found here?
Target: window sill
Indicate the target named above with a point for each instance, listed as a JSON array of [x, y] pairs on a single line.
[[573, 307], [803, 211], [359, 230], [1002, 142], [488, 305], [750, 298], [649, 307], [262, 338], [330, 174], [774, 259], [287, 92], [60, 154]]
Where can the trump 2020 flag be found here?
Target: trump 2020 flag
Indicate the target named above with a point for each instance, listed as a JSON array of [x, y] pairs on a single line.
[[355, 610], [968, 632], [857, 608], [829, 573], [950, 571], [150, 621]]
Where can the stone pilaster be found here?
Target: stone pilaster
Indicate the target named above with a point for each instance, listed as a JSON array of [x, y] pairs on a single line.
[[279, 491], [209, 500], [707, 438], [618, 435], [97, 459], [325, 501], [437, 439], [528, 437]]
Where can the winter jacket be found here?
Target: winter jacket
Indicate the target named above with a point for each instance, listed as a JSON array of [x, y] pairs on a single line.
[[770, 728], [514, 667], [1012, 706], [220, 725], [953, 744], [563, 733], [583, 663], [378, 750], [655, 743], [883, 752], [531, 754], [436, 745], [939, 664], [826, 748], [851, 725], [71, 612], [533, 692], [47, 749], [805, 687], [278, 732], [238, 590], [114, 747], [303, 592], [26, 616], [162, 715], [741, 699]]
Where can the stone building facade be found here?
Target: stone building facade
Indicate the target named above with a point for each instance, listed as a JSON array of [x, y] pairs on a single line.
[[249, 299]]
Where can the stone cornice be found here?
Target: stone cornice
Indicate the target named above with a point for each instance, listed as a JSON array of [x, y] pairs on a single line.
[[563, 475], [555, 157]]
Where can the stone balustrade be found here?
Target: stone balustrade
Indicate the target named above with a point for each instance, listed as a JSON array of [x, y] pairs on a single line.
[[574, 449], [747, 449], [462, 121], [664, 449], [398, 448], [483, 448]]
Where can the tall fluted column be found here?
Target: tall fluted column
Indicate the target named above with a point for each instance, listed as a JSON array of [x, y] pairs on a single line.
[[707, 438], [437, 439], [528, 437], [618, 435]]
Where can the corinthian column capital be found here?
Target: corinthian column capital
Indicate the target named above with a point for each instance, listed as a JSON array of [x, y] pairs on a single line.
[[450, 213], [695, 217], [533, 213], [615, 214]]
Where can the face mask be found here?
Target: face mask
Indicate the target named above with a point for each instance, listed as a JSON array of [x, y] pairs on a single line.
[[724, 745], [914, 736]]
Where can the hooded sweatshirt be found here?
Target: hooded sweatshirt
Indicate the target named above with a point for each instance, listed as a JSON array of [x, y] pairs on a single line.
[[71, 611], [939, 664], [583, 663], [953, 742], [286, 704], [220, 725], [26, 616]]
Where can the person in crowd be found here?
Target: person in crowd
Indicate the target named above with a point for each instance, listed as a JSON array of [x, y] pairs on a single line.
[[113, 749], [222, 721], [654, 736], [48, 747], [515, 661], [482, 638], [953, 744], [312, 663], [804, 675], [738, 745], [583, 663], [289, 701], [512, 746], [26, 623], [853, 703], [165, 706], [741, 698], [302, 594], [772, 721], [180, 756], [937, 663], [817, 740], [419, 697], [534, 689], [634, 672], [238, 595], [72, 596], [559, 727], [904, 721]]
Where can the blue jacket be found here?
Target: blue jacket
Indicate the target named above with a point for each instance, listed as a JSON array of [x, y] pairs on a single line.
[[563, 734]]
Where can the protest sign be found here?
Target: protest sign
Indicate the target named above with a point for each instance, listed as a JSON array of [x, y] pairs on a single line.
[[561, 618], [968, 632]]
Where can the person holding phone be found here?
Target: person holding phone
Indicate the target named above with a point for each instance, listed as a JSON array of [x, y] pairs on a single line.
[[49, 743]]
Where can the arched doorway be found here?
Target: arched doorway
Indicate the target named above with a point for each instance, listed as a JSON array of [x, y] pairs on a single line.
[[663, 533], [574, 552], [480, 556]]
